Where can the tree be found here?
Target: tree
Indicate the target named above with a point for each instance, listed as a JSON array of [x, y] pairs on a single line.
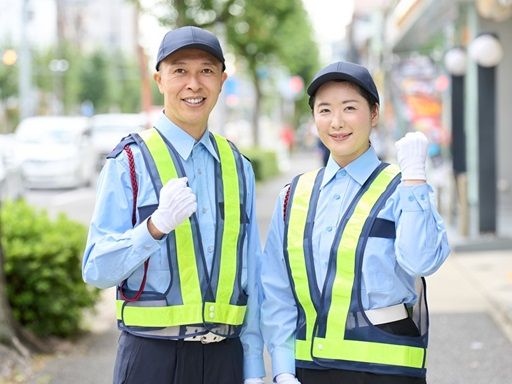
[[261, 33], [96, 82]]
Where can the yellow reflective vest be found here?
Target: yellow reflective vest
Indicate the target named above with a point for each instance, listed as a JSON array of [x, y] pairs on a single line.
[[332, 330], [194, 297]]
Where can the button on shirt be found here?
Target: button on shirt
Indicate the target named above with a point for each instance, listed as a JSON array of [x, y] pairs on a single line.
[[389, 266], [116, 251]]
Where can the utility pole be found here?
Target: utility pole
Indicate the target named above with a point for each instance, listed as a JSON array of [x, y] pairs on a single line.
[[26, 104]]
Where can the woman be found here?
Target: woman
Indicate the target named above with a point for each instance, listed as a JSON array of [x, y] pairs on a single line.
[[343, 294]]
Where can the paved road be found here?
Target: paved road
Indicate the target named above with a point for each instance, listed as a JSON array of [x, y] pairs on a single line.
[[469, 343]]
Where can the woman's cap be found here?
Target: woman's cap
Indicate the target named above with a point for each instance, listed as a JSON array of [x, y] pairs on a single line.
[[189, 37], [343, 70]]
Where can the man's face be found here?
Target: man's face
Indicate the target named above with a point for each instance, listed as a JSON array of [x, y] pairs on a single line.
[[190, 80], [344, 120]]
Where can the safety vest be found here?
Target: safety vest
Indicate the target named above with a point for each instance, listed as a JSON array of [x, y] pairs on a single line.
[[195, 296], [332, 329]]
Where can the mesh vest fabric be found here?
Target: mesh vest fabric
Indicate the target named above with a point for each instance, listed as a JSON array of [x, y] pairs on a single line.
[[333, 330], [195, 299]]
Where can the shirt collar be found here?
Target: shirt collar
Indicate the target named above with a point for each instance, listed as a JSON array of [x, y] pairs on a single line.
[[360, 169], [181, 140]]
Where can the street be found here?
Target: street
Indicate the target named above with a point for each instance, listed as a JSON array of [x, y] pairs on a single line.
[[468, 333]]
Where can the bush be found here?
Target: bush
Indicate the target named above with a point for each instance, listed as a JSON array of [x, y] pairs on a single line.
[[42, 269], [264, 162]]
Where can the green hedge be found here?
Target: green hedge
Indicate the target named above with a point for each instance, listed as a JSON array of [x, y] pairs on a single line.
[[43, 270], [264, 162]]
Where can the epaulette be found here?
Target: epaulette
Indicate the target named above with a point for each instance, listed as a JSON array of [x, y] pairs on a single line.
[[249, 160], [233, 145], [119, 147]]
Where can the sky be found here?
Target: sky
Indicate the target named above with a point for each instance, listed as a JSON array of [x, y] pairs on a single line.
[[329, 20], [41, 29]]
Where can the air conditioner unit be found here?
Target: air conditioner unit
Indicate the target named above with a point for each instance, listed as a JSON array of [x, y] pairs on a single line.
[[497, 10]]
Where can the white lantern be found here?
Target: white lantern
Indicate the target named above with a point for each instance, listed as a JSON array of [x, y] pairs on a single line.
[[486, 50], [455, 61]]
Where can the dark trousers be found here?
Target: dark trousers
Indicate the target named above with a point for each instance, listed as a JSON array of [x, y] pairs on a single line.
[[340, 376], [404, 327], [142, 360]]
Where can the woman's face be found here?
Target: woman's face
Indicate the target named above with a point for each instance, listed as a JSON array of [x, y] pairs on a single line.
[[344, 120]]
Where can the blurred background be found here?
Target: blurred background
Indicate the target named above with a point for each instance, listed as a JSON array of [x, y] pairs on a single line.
[[76, 77]]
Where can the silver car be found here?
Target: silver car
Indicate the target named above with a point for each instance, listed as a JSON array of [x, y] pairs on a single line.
[[109, 128], [56, 151]]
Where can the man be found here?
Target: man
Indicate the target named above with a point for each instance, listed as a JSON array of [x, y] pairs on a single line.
[[185, 265]]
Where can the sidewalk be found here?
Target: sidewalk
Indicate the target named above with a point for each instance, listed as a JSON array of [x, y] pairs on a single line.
[[474, 282], [477, 274]]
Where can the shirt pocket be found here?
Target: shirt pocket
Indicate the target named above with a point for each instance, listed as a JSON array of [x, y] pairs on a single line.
[[379, 265]]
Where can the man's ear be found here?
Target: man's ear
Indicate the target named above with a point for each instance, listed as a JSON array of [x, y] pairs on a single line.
[[223, 79], [158, 80]]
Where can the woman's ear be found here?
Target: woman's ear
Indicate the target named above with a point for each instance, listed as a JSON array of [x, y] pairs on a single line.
[[374, 115]]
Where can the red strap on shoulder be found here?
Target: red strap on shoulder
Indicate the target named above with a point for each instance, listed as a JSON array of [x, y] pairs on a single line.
[[135, 190], [285, 202], [133, 179]]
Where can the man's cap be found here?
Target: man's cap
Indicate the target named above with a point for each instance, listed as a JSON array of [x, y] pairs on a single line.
[[189, 37], [343, 70]]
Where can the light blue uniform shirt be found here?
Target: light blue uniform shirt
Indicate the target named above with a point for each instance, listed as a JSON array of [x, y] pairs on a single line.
[[390, 266], [116, 251]]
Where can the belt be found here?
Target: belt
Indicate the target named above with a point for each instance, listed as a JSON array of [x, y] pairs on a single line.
[[207, 338], [387, 314]]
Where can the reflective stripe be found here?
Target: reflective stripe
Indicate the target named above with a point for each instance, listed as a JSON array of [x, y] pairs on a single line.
[[368, 352], [345, 266], [295, 245], [334, 346], [191, 290], [170, 316], [193, 310], [230, 234]]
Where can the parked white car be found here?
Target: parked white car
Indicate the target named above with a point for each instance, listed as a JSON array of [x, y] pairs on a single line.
[[56, 151], [108, 129]]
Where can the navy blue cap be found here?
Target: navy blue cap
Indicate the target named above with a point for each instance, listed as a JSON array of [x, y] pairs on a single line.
[[343, 70], [189, 37]]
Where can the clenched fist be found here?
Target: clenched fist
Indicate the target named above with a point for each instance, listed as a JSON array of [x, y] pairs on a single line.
[[177, 203], [411, 153]]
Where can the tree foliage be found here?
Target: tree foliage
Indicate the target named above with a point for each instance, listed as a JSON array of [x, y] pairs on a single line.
[[261, 33], [96, 82]]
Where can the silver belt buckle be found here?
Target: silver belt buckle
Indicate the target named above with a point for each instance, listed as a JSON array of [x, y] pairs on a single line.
[[210, 338]]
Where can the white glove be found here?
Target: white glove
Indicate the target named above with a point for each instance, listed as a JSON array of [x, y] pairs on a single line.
[[411, 153], [254, 380], [177, 203], [286, 378]]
